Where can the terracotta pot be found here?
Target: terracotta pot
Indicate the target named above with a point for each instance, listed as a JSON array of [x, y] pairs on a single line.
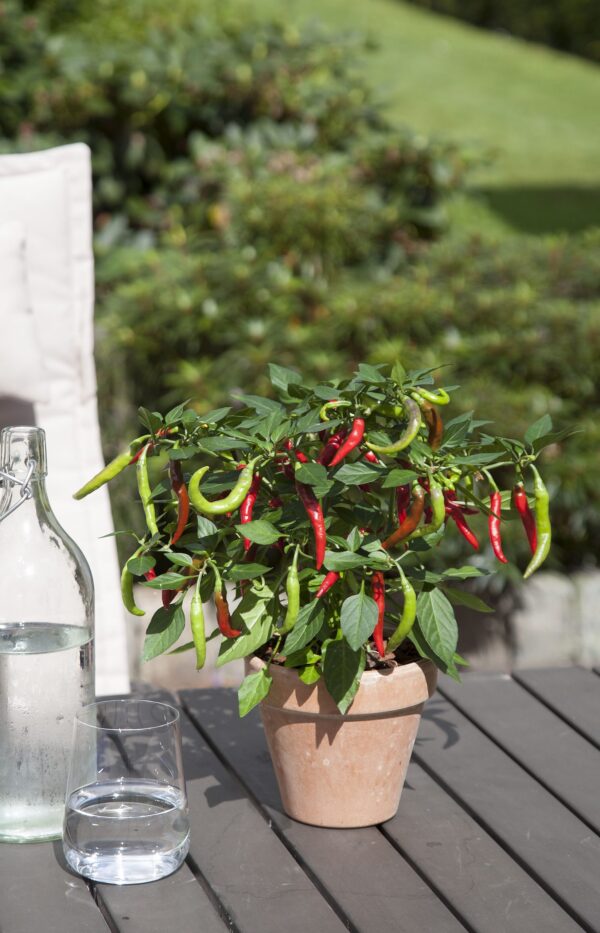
[[344, 771]]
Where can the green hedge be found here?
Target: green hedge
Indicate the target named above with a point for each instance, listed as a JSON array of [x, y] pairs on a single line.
[[569, 25]]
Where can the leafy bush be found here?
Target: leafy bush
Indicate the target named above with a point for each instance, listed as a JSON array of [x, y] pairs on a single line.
[[570, 25]]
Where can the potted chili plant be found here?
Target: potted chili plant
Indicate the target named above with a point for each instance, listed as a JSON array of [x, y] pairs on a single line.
[[308, 520]]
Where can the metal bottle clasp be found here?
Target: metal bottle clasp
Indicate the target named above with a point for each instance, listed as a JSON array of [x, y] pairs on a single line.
[[25, 491]]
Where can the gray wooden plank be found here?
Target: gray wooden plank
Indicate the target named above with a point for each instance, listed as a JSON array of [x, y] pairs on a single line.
[[549, 841], [40, 896], [177, 903], [571, 692], [477, 876], [558, 757], [375, 888]]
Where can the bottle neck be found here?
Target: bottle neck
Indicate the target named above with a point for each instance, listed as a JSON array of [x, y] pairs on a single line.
[[23, 470]]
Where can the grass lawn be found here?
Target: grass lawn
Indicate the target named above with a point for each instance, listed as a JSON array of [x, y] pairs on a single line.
[[536, 108]]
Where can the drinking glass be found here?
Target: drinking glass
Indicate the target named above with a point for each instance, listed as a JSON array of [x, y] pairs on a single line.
[[126, 818]]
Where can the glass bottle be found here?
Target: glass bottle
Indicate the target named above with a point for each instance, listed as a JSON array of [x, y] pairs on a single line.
[[46, 643]]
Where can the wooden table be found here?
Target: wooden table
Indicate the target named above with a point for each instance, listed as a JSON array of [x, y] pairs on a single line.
[[498, 830]]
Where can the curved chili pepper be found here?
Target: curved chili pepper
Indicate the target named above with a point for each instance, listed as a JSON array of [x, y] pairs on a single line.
[[112, 469], [330, 578], [183, 500], [461, 523], [247, 506], [434, 422], [334, 403], [315, 514], [543, 526], [232, 500], [521, 504], [409, 613], [413, 414], [197, 626], [378, 594], [223, 616], [331, 447], [438, 512], [439, 397], [127, 588], [494, 525], [353, 440], [145, 492], [292, 589], [413, 517]]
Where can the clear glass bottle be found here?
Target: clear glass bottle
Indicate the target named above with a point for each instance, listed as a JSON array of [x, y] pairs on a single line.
[[46, 643]]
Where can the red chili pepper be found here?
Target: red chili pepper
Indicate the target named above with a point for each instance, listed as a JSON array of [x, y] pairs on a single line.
[[331, 578], [167, 597], [315, 514], [183, 500], [370, 457], [331, 447], [150, 574], [402, 501], [453, 505], [527, 517], [247, 506], [223, 617], [456, 514], [494, 525], [412, 519], [353, 440], [378, 593]]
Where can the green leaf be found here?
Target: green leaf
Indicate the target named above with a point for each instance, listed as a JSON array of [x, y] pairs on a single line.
[[418, 639], [438, 623], [358, 618], [263, 406], [308, 624], [175, 414], [246, 572], [252, 618], [354, 474], [253, 689], [260, 532], [138, 566], [214, 416], [187, 646], [343, 560], [464, 598], [342, 668], [463, 573], [180, 560], [221, 442], [151, 419], [183, 453], [163, 631], [538, 429], [370, 373], [354, 539], [166, 581], [309, 674], [281, 377], [312, 474], [399, 478]]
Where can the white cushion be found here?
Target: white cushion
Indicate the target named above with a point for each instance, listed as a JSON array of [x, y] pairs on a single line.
[[21, 361], [49, 192]]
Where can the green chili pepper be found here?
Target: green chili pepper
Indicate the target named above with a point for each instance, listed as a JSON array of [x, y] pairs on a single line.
[[111, 470], [335, 403], [127, 588], [438, 509], [439, 397], [230, 502], [413, 413], [197, 626], [409, 613], [146, 492], [542, 523], [292, 588]]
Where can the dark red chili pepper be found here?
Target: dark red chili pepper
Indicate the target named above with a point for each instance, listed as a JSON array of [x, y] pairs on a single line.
[[247, 506], [331, 578], [494, 525], [370, 457], [527, 517], [167, 597], [183, 500], [453, 505], [315, 514], [378, 593], [412, 519], [402, 501], [223, 617], [331, 447], [356, 435], [434, 422], [456, 514]]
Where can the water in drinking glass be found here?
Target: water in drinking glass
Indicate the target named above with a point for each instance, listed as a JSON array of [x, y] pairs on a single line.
[[126, 831]]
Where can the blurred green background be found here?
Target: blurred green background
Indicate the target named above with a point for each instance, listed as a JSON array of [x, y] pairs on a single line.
[[319, 183]]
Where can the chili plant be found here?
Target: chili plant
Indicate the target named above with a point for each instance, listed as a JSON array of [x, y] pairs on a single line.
[[308, 521]]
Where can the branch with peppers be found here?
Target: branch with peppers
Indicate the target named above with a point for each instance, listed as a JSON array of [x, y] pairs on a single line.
[[309, 520]]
